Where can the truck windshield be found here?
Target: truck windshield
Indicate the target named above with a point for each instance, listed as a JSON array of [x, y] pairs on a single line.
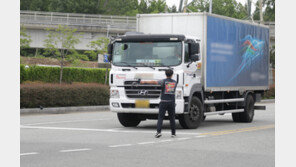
[[147, 54]]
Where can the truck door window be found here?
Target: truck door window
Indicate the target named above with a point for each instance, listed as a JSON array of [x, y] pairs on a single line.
[[186, 53]]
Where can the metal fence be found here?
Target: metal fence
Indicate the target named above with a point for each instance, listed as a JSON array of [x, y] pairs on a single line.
[[73, 19]]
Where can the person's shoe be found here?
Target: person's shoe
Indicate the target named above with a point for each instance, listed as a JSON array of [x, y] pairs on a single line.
[[173, 136], [158, 135]]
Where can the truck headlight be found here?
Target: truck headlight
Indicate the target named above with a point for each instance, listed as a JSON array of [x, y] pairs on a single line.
[[115, 105], [179, 94], [114, 94]]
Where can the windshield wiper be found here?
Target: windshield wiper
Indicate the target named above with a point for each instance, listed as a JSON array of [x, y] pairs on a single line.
[[165, 65], [149, 66], [128, 64]]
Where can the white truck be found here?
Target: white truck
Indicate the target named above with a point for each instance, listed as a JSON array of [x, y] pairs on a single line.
[[221, 65]]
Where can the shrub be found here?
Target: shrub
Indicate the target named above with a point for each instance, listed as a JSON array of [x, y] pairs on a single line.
[[23, 74], [70, 74], [34, 95]]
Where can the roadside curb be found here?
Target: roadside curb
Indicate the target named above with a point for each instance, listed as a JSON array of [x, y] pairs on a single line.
[[62, 110]]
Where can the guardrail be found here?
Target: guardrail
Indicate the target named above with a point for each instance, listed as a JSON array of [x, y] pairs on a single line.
[[73, 19]]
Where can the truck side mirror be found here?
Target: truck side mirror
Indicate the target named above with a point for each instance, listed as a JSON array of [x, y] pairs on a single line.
[[194, 57], [194, 51], [110, 48]]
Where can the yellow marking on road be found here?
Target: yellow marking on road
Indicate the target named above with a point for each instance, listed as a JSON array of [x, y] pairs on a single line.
[[238, 130]]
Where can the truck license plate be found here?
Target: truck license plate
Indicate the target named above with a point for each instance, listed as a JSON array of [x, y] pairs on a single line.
[[142, 104]]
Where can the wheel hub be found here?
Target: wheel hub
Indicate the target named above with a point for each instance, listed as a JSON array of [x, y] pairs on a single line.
[[194, 112]]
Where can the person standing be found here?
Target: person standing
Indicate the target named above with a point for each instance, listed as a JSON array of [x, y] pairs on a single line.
[[167, 103]]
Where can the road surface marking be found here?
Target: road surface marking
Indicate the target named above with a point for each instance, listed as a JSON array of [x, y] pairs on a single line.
[[162, 141], [121, 145], [100, 130], [245, 130], [204, 135], [57, 122], [239, 130], [31, 153], [148, 142], [183, 138], [75, 150]]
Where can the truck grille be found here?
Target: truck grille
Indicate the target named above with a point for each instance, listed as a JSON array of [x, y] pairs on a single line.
[[141, 91]]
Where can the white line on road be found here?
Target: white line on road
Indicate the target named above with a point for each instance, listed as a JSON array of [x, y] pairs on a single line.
[[121, 145], [75, 150], [148, 142], [99, 130], [57, 122], [162, 141], [183, 138], [31, 153]]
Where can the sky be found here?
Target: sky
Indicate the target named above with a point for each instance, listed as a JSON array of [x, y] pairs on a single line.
[[176, 2]]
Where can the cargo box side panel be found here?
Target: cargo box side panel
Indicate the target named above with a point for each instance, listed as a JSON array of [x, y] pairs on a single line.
[[185, 24], [155, 24], [237, 55], [189, 25]]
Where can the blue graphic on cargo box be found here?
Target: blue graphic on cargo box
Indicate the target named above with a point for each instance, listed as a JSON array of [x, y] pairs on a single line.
[[252, 49], [237, 54]]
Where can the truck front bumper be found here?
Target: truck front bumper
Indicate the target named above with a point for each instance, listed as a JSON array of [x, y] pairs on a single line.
[[127, 105]]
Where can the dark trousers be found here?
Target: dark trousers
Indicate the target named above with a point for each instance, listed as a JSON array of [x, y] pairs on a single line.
[[163, 107]]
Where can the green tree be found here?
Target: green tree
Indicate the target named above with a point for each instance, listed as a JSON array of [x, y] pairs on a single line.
[[256, 14], [157, 6], [230, 8], [143, 6], [99, 46], [35, 5], [121, 7], [268, 13], [25, 39], [60, 42], [199, 6], [173, 9]]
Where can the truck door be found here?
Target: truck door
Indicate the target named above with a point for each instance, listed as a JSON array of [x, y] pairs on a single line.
[[191, 69]]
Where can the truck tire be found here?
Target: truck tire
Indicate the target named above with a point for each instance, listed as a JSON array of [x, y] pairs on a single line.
[[248, 114], [195, 116], [128, 119], [235, 117], [204, 118]]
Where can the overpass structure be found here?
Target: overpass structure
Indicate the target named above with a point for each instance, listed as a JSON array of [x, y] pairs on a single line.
[[91, 26]]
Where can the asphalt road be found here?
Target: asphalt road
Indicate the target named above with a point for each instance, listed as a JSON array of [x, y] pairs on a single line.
[[97, 139]]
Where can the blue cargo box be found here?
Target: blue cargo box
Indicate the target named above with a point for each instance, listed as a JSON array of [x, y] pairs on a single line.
[[237, 55]]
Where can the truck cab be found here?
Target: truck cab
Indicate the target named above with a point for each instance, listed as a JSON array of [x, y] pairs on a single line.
[[146, 57]]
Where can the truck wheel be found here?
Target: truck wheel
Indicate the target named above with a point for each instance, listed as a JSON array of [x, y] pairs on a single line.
[[248, 114], [235, 117], [195, 116], [204, 118], [128, 119]]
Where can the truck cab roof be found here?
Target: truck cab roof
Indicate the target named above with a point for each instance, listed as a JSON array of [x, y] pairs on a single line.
[[150, 38]]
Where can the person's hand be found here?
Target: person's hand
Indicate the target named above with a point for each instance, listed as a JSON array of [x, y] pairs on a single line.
[[135, 83]]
